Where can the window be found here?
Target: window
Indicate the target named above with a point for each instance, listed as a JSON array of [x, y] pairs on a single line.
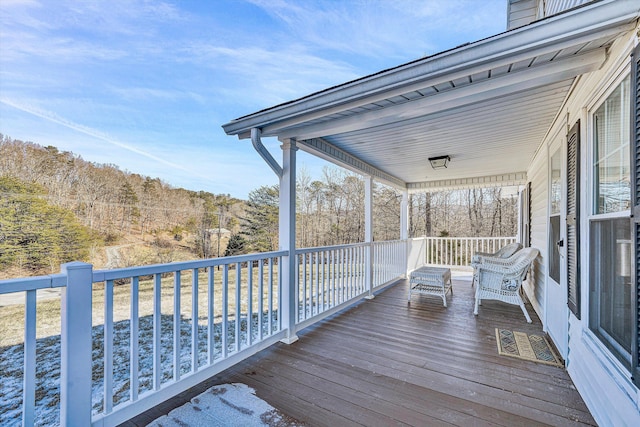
[[610, 291], [555, 197], [612, 176], [611, 282]]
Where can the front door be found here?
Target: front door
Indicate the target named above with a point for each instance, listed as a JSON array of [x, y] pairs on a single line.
[[556, 312]]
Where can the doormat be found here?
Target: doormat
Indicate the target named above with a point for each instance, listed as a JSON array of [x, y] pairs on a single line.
[[526, 346]]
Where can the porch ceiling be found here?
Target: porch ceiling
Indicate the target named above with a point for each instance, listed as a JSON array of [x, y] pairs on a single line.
[[488, 105]]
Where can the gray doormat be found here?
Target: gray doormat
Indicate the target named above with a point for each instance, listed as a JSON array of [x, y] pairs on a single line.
[[526, 346]]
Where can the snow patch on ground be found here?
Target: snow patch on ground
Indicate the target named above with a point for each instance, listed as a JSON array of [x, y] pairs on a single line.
[[226, 405], [48, 364]]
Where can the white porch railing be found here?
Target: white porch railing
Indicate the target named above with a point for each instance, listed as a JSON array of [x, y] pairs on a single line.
[[134, 337], [185, 322], [457, 251], [333, 277]]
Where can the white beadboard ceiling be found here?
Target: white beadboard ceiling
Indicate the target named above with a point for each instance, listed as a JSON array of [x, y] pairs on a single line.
[[487, 105]]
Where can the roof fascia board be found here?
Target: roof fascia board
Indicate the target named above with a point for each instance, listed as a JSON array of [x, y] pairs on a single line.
[[327, 151], [586, 23], [502, 180], [500, 86], [433, 80]]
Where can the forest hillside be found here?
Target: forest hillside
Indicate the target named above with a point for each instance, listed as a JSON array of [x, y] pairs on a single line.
[[57, 207]]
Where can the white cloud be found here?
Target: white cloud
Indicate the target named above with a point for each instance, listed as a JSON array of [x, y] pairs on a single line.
[[270, 76], [52, 117], [383, 28]]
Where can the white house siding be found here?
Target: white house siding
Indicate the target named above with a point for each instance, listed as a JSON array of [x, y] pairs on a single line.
[[535, 286], [521, 12], [602, 381], [551, 7]]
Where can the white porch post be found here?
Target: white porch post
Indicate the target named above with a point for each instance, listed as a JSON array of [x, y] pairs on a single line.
[[404, 216], [75, 346], [287, 238], [368, 234], [404, 227]]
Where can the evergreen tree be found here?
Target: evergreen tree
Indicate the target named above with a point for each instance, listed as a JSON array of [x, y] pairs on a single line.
[[260, 225], [236, 246], [34, 234]]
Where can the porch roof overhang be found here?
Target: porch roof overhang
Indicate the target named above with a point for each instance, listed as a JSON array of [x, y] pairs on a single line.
[[488, 105]]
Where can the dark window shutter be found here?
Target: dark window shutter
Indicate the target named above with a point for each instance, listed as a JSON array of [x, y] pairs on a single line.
[[573, 219], [635, 209]]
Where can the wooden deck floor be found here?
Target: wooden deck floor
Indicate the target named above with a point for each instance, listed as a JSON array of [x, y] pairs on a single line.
[[384, 362]]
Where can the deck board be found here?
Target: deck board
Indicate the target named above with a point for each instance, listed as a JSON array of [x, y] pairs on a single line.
[[383, 362]]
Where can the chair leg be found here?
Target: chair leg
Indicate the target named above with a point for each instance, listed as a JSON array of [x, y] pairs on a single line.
[[475, 308], [524, 310]]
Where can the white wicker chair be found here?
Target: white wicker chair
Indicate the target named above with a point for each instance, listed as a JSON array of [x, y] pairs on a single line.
[[504, 252], [501, 279]]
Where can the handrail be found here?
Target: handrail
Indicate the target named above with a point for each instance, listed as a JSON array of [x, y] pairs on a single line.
[[120, 273], [328, 248], [8, 286]]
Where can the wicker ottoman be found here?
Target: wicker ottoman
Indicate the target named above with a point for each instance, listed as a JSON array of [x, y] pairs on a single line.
[[431, 281]]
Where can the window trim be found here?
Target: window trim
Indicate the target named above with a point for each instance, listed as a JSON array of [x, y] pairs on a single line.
[[622, 357]]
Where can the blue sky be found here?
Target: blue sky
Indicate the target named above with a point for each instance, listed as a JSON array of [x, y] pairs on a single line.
[[147, 84]]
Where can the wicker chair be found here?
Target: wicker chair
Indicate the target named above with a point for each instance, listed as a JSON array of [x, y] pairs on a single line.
[[504, 252], [501, 279]]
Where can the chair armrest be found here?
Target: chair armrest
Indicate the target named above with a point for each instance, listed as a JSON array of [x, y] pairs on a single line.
[[498, 265], [483, 254], [478, 257], [489, 260]]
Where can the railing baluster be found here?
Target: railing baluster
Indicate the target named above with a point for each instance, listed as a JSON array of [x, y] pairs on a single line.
[[177, 349], [211, 314], [280, 302], [322, 280], [225, 302], [316, 264], [249, 303], [157, 331], [133, 341], [270, 297], [330, 266], [312, 281], [238, 305], [260, 297], [313, 284], [351, 276], [29, 380], [279, 288], [194, 320], [305, 301], [108, 346], [358, 269], [340, 271], [345, 274]]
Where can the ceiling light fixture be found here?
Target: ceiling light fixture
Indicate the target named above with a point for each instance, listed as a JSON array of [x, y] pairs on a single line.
[[439, 162]]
